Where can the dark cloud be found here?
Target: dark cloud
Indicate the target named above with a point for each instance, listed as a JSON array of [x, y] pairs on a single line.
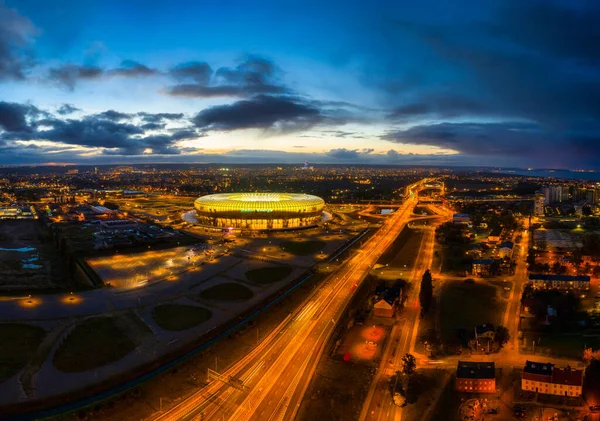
[[153, 126], [130, 68], [261, 112], [16, 33], [159, 144], [14, 117], [473, 138], [69, 74], [110, 130], [254, 76], [345, 154], [159, 117], [113, 115], [567, 31], [195, 71], [527, 60], [67, 109], [90, 131], [440, 105]]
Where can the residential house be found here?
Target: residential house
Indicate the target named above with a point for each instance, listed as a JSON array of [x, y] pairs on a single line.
[[484, 337], [543, 281], [387, 300], [382, 308], [461, 219], [547, 379], [482, 267], [495, 235], [505, 250], [476, 377]]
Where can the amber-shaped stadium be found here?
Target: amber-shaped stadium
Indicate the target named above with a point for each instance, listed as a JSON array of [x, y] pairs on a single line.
[[259, 211]]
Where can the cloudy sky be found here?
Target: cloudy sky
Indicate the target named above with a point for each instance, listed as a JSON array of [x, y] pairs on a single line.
[[469, 82]]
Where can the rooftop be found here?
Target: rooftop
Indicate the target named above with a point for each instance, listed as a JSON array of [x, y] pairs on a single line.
[[475, 370], [543, 369], [545, 277]]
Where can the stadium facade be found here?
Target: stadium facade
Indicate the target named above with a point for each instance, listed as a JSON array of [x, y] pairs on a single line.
[[259, 211]]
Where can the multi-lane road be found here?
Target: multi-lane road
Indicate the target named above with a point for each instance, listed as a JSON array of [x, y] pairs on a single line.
[[277, 372], [379, 404]]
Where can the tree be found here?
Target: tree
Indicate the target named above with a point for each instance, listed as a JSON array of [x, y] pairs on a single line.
[[541, 244], [577, 257], [409, 364], [426, 292], [556, 267], [589, 354], [502, 336]]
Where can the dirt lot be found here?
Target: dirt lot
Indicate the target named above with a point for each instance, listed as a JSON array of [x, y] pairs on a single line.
[[336, 392], [363, 343], [29, 260]]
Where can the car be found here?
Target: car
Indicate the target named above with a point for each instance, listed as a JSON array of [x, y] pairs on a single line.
[[492, 411], [371, 343], [595, 408], [518, 408]]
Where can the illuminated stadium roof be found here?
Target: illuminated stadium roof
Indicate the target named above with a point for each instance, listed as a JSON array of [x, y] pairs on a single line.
[[259, 202], [259, 210]]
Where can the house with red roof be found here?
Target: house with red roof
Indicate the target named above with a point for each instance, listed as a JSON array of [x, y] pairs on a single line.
[[548, 379]]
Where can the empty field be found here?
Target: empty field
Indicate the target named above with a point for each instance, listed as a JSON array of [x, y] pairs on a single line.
[[268, 275], [228, 291], [18, 343], [303, 248], [93, 343], [180, 317], [465, 305]]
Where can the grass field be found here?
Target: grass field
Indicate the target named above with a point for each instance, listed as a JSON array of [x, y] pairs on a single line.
[[18, 343], [337, 392], [303, 248], [180, 317], [561, 345], [404, 250], [227, 292], [466, 305], [268, 275], [93, 343]]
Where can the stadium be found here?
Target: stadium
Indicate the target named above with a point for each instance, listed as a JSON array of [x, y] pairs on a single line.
[[259, 211]]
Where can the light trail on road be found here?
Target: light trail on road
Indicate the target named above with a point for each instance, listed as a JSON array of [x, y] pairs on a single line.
[[293, 348]]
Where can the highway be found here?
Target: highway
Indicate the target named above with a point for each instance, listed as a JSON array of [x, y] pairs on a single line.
[[277, 372], [379, 404]]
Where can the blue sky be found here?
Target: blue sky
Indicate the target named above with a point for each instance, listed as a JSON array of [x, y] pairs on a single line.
[[495, 83]]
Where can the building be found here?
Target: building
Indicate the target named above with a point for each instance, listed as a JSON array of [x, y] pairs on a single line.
[[476, 377], [386, 301], [543, 281], [119, 224], [17, 212], [461, 219], [505, 250], [483, 340], [259, 211], [383, 308], [538, 204], [482, 267], [495, 235], [547, 379], [555, 194]]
